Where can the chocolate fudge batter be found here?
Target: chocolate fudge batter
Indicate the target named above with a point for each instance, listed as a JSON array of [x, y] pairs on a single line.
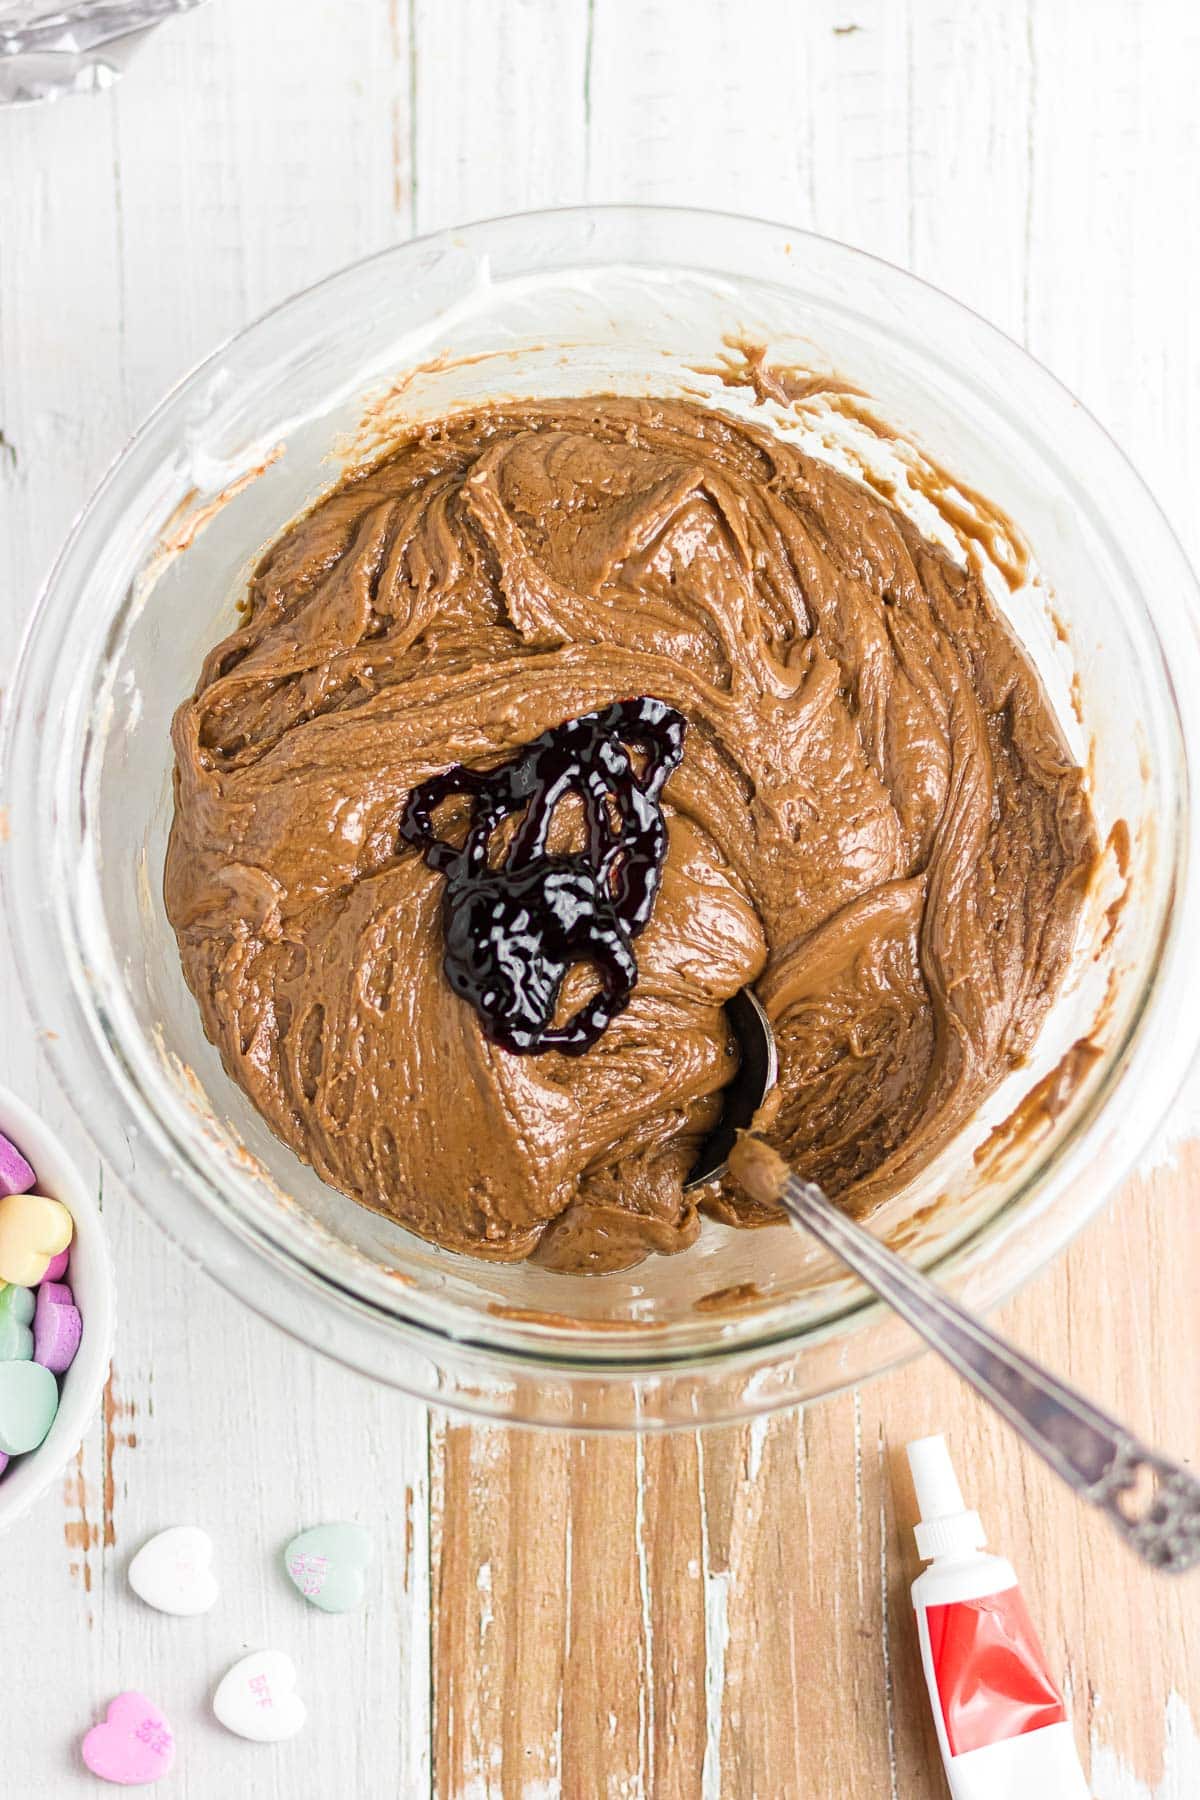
[[875, 821]]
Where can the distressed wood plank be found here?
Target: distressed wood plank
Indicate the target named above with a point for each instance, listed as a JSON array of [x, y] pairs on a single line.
[[500, 102], [786, 1545], [605, 1730], [670, 1554], [501, 1559]]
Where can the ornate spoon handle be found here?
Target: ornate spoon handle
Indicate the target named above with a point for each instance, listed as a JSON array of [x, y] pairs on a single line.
[[1153, 1502]]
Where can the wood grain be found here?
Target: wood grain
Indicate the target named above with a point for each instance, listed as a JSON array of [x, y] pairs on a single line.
[[717, 1616], [728, 1613]]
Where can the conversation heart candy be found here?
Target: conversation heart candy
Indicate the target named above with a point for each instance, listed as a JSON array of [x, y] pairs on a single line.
[[57, 1327], [328, 1564], [28, 1403], [257, 1698], [133, 1746], [32, 1231], [56, 1268], [16, 1312], [173, 1571], [16, 1176]]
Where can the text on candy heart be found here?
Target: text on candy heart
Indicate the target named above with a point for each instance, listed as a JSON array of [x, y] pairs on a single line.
[[309, 1572]]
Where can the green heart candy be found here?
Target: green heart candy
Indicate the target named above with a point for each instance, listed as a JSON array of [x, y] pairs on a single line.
[[28, 1403], [16, 1312], [328, 1565]]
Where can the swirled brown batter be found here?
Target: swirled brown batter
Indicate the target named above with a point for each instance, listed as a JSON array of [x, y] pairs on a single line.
[[876, 822]]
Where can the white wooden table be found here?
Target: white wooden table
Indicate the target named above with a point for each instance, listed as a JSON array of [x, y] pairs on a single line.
[[1040, 162]]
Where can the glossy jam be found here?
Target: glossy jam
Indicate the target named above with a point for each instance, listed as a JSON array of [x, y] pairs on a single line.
[[514, 929]]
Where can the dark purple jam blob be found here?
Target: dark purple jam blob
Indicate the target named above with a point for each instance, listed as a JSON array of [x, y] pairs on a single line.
[[513, 931]]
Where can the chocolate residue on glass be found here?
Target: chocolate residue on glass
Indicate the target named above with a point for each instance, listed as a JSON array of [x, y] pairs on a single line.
[[984, 529], [1119, 846], [876, 822], [729, 1299], [556, 1321], [1035, 1113], [744, 364]]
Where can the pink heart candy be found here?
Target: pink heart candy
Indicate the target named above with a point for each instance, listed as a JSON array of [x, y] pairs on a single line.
[[134, 1745], [16, 1176], [57, 1327], [56, 1268]]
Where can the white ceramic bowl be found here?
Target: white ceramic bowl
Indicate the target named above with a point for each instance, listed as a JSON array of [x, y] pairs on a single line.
[[91, 1282]]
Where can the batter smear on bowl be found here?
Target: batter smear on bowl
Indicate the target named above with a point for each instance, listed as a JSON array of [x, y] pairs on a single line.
[[874, 821]]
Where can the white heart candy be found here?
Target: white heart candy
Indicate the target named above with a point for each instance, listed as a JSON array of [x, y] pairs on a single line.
[[257, 1698], [173, 1571]]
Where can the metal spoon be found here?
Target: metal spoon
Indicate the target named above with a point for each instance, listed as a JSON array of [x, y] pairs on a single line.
[[1153, 1502]]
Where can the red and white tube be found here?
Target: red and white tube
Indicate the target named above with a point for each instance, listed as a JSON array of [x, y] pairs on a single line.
[[1001, 1723]]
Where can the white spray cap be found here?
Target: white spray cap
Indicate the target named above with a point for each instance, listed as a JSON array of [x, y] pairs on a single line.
[[946, 1528]]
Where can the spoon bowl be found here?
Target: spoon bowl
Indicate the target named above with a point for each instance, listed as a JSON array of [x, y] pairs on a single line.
[[758, 1071]]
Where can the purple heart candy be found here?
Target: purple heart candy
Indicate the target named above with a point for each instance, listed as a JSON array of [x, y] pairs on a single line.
[[57, 1327], [16, 1176], [56, 1268]]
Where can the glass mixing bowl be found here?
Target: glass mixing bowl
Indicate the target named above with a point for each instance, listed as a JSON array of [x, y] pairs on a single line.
[[633, 300]]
